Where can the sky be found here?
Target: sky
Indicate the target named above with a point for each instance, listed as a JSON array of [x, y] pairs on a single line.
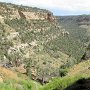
[[58, 7]]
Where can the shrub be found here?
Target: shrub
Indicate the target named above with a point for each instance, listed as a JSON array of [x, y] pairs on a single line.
[[63, 72]]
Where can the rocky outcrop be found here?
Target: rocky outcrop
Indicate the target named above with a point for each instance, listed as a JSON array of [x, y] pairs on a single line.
[[37, 15], [50, 17], [21, 14], [15, 12]]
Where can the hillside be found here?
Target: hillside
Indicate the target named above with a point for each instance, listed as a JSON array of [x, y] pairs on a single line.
[[10, 80], [78, 78], [39, 45], [24, 39], [34, 36], [78, 26], [82, 68]]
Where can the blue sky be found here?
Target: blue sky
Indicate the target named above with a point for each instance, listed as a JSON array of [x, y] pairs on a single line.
[[58, 7]]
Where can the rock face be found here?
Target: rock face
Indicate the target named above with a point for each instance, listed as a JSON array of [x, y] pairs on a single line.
[[36, 15], [24, 13], [32, 15], [50, 17], [21, 14], [15, 14]]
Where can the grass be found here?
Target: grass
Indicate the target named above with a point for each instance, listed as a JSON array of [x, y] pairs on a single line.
[[13, 85], [20, 85], [61, 83], [81, 69]]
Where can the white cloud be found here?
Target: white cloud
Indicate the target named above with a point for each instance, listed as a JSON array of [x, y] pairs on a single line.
[[69, 5]]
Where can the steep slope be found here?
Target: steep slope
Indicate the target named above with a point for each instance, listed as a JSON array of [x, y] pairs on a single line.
[[24, 38], [81, 68], [78, 26], [33, 37], [10, 80], [76, 79]]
